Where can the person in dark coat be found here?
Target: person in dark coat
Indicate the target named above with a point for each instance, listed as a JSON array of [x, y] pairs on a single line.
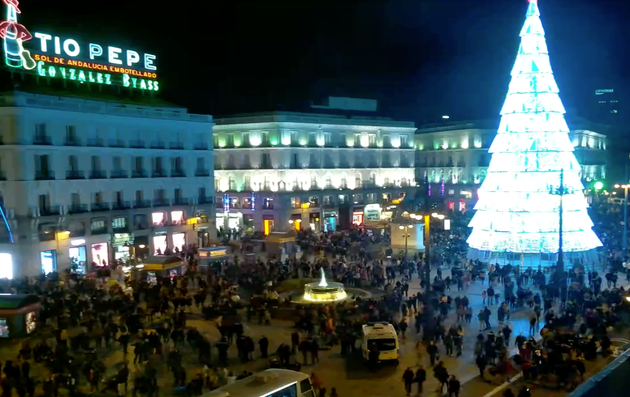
[[408, 380], [263, 343]]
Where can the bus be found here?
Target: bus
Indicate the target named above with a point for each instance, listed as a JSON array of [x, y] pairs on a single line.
[[268, 383]]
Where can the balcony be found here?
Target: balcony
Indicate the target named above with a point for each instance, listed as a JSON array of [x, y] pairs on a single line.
[[176, 145], [98, 142], [139, 174], [44, 175], [205, 200], [42, 140], [142, 204], [136, 144], [47, 236], [181, 201], [178, 174], [72, 142], [121, 205], [100, 230], [158, 145], [201, 146], [163, 202], [77, 209], [159, 174], [121, 229], [202, 173], [75, 174], [97, 207], [117, 174], [116, 143], [98, 174], [49, 211]]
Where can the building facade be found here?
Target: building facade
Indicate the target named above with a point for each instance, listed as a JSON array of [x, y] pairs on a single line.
[[281, 171], [84, 182], [452, 160]]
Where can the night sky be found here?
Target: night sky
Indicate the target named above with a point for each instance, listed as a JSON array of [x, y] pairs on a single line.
[[419, 58]]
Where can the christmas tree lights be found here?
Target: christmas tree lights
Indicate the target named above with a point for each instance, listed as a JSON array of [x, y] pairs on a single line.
[[516, 211]]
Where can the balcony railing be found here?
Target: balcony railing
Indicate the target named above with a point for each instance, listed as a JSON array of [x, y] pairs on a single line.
[[121, 205], [159, 174], [100, 207], [118, 174], [98, 174], [116, 143], [176, 145], [205, 200], [42, 140], [75, 175], [158, 145], [49, 211], [202, 173], [142, 203], [139, 174], [136, 144], [77, 208], [120, 229], [100, 230], [44, 175], [178, 174], [72, 142], [181, 201], [95, 142], [201, 146], [163, 202]]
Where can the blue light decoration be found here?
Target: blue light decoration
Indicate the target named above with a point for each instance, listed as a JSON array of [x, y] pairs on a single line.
[[516, 212], [6, 223], [253, 201], [226, 203]]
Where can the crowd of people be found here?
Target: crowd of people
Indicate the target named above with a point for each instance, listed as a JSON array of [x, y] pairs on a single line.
[[84, 319]]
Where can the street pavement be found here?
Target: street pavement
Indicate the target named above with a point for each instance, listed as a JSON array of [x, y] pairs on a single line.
[[348, 375]]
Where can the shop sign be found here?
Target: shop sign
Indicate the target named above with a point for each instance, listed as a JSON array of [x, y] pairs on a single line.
[[121, 238], [372, 212], [213, 252], [77, 242]]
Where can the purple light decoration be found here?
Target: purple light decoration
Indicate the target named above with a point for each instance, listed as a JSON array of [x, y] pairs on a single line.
[[430, 189], [442, 187]]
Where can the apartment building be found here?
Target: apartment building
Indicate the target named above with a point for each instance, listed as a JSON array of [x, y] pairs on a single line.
[[452, 159], [86, 182], [283, 170]]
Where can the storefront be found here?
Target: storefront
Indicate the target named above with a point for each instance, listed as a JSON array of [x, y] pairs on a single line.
[[203, 236], [295, 222], [48, 261], [234, 220], [6, 266], [268, 224], [372, 212], [179, 241], [357, 216], [330, 221], [209, 255], [100, 255], [78, 256], [160, 243], [315, 221], [18, 315], [121, 245]]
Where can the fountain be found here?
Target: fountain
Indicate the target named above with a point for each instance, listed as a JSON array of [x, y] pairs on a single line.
[[323, 291]]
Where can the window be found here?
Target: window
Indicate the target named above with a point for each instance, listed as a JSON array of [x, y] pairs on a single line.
[[42, 164], [372, 139], [177, 195], [217, 184], [75, 199], [119, 223], [98, 198], [202, 193], [328, 200], [451, 192], [404, 141], [119, 197], [44, 201], [265, 160], [267, 203], [73, 163], [97, 225], [295, 161], [40, 131], [139, 195], [178, 165], [231, 183], [159, 194], [358, 182], [96, 163], [117, 163], [306, 388], [158, 165], [295, 202], [71, 134], [327, 138], [139, 164], [201, 163]]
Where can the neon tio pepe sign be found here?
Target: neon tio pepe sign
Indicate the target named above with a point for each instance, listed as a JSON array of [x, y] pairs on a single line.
[[66, 58]]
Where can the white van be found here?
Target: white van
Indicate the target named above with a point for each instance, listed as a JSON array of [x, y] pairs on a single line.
[[268, 383], [384, 337]]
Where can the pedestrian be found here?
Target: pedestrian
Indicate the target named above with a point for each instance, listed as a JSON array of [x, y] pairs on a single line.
[[433, 352], [441, 374], [453, 387], [484, 295], [263, 344], [407, 378], [421, 376]]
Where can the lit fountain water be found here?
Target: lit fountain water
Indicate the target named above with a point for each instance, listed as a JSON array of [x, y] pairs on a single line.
[[324, 291]]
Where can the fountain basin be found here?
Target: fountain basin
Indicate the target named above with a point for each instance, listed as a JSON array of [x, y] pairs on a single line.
[[329, 292]]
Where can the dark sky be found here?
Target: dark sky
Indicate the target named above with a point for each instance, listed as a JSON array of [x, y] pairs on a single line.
[[419, 58]]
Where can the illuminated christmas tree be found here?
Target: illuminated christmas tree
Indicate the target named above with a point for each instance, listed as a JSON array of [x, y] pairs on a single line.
[[516, 211]]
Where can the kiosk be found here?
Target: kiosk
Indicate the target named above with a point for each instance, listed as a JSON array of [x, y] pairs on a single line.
[[18, 315]]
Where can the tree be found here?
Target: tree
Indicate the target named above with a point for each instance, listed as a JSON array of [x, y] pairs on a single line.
[[515, 211]]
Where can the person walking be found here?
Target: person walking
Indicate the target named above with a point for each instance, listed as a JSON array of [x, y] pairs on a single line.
[[441, 374], [263, 344], [421, 376], [433, 352], [407, 378], [453, 387]]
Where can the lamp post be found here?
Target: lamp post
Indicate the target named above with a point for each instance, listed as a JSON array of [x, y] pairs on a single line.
[[624, 242], [407, 235], [559, 274], [427, 245]]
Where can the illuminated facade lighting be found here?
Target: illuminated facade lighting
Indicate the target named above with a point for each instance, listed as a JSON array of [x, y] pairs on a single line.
[[515, 211]]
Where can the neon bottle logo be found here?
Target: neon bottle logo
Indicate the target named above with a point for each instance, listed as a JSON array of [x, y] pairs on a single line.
[[14, 34]]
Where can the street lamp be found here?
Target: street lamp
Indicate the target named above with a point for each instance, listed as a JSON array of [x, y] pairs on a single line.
[[407, 235], [624, 242]]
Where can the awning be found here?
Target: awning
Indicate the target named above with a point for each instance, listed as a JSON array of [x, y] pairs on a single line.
[[280, 237], [161, 262], [212, 252]]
